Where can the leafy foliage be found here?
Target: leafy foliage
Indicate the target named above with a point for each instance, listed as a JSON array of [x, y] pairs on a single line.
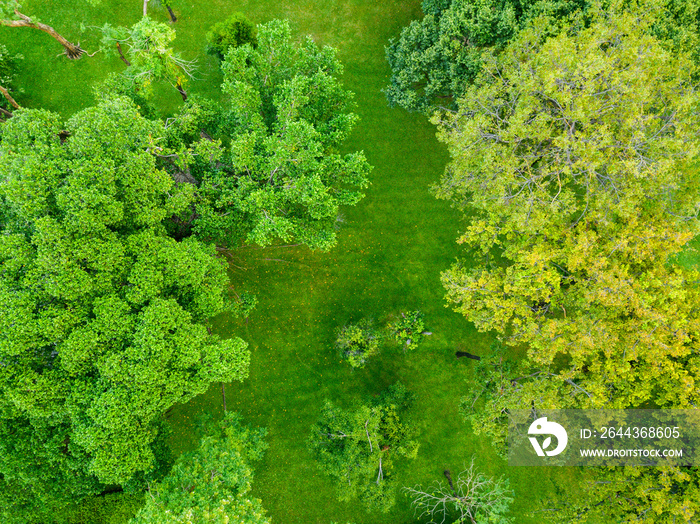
[[357, 447], [660, 495], [134, 88], [213, 482], [577, 159], [281, 177], [149, 53], [358, 342], [244, 304], [101, 314], [500, 384], [407, 330], [235, 31], [436, 58]]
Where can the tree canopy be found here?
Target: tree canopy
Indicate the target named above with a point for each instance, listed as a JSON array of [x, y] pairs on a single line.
[[576, 159], [436, 58], [149, 54], [102, 324], [212, 483], [281, 175], [357, 446]]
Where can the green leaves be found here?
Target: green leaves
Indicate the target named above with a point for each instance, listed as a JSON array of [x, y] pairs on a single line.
[[356, 447], [665, 494], [101, 314], [435, 59], [576, 157], [149, 56], [408, 329], [287, 115], [212, 483], [358, 342], [235, 31]]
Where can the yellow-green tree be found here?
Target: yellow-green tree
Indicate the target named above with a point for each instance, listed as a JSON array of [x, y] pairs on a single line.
[[576, 160]]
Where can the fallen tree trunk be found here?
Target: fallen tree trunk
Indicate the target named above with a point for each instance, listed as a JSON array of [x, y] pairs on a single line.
[[72, 51], [9, 98]]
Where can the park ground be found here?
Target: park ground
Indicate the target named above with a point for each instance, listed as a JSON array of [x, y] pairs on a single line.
[[391, 250]]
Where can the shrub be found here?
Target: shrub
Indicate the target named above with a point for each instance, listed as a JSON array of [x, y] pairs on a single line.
[[235, 31], [407, 329], [358, 342]]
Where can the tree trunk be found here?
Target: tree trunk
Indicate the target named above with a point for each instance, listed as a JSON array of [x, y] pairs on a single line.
[[11, 100], [121, 54], [170, 12], [145, 7], [223, 394], [449, 480], [72, 51], [182, 91]]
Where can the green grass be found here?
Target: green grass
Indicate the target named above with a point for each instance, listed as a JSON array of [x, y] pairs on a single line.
[[392, 248]]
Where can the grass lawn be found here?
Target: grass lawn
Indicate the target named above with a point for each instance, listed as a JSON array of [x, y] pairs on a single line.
[[392, 248]]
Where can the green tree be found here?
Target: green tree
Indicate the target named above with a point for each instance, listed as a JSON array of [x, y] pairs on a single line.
[[212, 483], [281, 177], [500, 383], [358, 342], [407, 330], [149, 54], [576, 158], [357, 447], [235, 31], [436, 58], [471, 499], [102, 315]]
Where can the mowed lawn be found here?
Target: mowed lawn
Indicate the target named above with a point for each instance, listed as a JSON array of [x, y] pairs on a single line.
[[391, 250]]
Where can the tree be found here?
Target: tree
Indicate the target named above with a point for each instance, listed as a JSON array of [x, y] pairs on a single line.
[[408, 330], [102, 315], [212, 483], [660, 495], [436, 58], [358, 342], [281, 177], [10, 16], [149, 56], [576, 159], [356, 447], [235, 31], [500, 384], [471, 499]]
